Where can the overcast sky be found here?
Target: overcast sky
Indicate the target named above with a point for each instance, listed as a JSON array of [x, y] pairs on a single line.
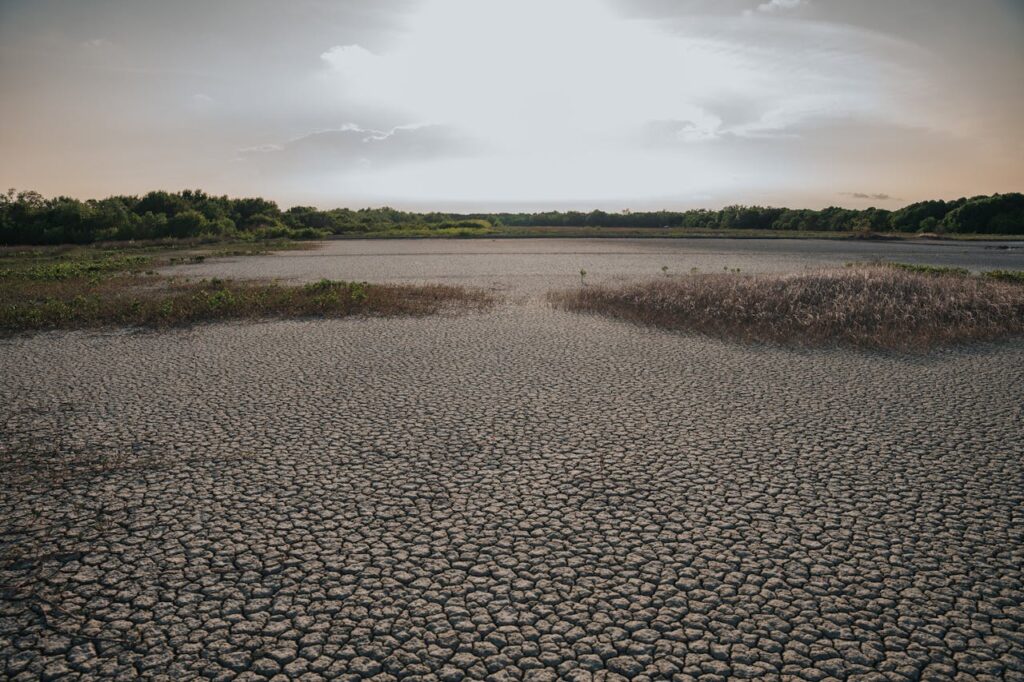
[[516, 104]]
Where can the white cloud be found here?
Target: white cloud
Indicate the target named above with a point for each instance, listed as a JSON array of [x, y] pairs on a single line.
[[777, 5], [348, 58], [588, 75], [337, 152], [574, 88]]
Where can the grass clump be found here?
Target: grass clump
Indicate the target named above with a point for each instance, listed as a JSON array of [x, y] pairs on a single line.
[[126, 302], [1011, 276], [872, 306], [930, 269], [79, 267], [69, 289]]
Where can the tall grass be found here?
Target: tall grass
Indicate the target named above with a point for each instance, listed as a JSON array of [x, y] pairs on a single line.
[[872, 306]]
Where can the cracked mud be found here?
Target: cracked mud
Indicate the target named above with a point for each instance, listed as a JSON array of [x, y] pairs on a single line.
[[522, 494]]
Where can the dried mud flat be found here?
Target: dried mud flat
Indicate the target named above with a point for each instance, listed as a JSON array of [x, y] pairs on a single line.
[[520, 494]]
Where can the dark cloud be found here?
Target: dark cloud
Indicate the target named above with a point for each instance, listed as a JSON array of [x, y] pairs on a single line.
[[352, 147]]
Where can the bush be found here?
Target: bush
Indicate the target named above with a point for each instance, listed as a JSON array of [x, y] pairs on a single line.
[[187, 224]]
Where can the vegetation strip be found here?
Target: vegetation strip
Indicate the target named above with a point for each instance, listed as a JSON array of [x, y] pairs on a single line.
[[871, 306], [1013, 276], [83, 289], [29, 218]]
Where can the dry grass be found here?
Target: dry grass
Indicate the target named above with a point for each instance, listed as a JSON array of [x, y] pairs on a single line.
[[84, 288], [155, 302], [866, 306]]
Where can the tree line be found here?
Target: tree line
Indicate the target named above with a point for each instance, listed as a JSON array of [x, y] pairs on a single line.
[[27, 217]]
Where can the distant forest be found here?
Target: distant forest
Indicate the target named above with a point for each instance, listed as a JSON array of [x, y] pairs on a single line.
[[29, 218]]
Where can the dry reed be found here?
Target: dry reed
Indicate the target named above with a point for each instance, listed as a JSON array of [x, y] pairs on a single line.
[[872, 306]]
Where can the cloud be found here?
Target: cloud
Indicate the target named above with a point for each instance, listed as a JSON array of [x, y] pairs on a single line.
[[876, 197], [260, 149], [352, 147], [96, 43], [723, 76], [348, 58], [779, 5], [614, 101], [691, 101], [672, 131]]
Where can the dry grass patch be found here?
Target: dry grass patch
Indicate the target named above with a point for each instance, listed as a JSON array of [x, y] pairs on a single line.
[[155, 302], [89, 288], [874, 306]]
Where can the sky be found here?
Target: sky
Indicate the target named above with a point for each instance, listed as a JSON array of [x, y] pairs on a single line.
[[516, 104]]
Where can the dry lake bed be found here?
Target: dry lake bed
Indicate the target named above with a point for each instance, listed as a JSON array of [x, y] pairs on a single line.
[[517, 494]]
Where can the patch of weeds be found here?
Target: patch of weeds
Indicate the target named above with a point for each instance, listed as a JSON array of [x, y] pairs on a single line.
[[220, 299], [358, 292], [1011, 276], [186, 260], [86, 288], [126, 302], [323, 285], [930, 269], [69, 269]]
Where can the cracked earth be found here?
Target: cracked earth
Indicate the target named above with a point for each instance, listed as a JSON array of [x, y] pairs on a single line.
[[522, 494]]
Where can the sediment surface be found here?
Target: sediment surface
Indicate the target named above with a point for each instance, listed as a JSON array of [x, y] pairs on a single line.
[[533, 266], [519, 494]]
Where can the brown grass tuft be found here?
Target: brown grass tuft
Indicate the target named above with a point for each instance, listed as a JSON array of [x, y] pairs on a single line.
[[863, 306]]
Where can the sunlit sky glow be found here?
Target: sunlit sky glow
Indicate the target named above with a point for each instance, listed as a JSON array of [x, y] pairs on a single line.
[[516, 104]]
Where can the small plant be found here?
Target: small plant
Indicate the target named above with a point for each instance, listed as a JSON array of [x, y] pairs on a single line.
[[323, 285], [326, 300], [357, 291], [220, 299]]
